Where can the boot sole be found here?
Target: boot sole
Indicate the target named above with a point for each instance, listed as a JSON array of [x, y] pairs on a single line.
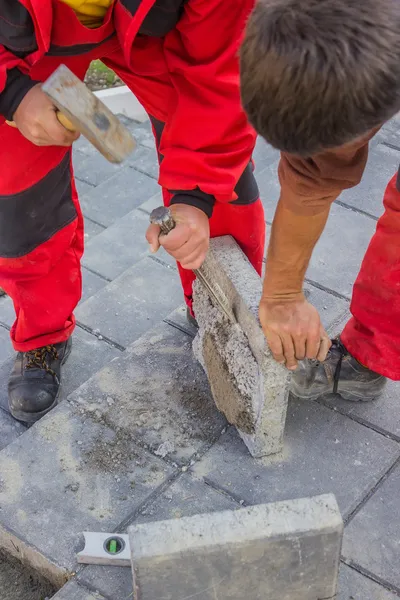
[[350, 396], [29, 418]]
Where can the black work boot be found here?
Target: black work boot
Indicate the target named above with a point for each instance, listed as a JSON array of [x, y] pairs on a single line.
[[35, 381], [340, 373]]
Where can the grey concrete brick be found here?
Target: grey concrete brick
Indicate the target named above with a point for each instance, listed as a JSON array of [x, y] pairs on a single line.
[[184, 498], [69, 474], [353, 586], [119, 246], [323, 452], [248, 386], [270, 189], [372, 537], [145, 160], [329, 307], [82, 187], [73, 591], [383, 163], [178, 319], [158, 393], [10, 430], [91, 284], [133, 302], [152, 203], [279, 551], [91, 229], [88, 355], [7, 312], [117, 196], [6, 348], [264, 155], [337, 257], [94, 168]]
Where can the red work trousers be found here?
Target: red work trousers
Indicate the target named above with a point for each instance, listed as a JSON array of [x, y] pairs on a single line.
[[373, 334], [44, 280]]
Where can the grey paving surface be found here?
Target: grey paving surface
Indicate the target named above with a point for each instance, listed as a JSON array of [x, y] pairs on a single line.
[[55, 480]]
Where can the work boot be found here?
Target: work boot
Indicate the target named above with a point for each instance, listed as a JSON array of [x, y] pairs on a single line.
[[35, 381], [340, 373]]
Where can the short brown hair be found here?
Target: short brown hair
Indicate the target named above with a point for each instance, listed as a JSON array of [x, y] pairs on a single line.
[[316, 74]]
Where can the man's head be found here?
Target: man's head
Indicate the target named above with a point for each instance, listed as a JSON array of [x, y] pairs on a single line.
[[317, 74]]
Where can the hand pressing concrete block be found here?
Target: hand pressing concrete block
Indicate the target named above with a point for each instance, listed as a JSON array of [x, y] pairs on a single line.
[[281, 551], [248, 386]]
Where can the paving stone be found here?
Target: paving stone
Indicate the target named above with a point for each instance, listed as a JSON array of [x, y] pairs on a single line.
[[10, 430], [277, 551], [383, 163], [5, 344], [132, 303], [91, 230], [119, 246], [82, 187], [7, 312], [70, 474], [158, 393], [146, 161], [91, 284], [118, 196], [94, 168], [270, 189], [353, 586], [339, 253], [264, 155], [73, 591], [372, 538], [184, 498], [179, 319], [152, 203], [89, 354], [323, 452], [329, 307]]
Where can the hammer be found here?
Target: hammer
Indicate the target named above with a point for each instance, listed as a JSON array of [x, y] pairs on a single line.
[[78, 109]]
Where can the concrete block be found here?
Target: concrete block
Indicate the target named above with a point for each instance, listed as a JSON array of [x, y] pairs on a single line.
[[91, 229], [119, 195], [132, 303], [121, 101], [185, 497], [67, 474], [145, 160], [74, 591], [323, 451], [91, 284], [372, 537], [279, 551], [158, 393], [248, 386], [354, 586]]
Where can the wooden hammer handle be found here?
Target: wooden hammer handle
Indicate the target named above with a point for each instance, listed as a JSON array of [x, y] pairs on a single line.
[[65, 122]]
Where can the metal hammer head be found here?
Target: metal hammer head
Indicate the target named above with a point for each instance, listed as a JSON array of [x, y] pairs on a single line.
[[89, 115]]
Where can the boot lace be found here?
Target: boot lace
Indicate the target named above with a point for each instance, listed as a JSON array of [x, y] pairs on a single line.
[[40, 358]]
